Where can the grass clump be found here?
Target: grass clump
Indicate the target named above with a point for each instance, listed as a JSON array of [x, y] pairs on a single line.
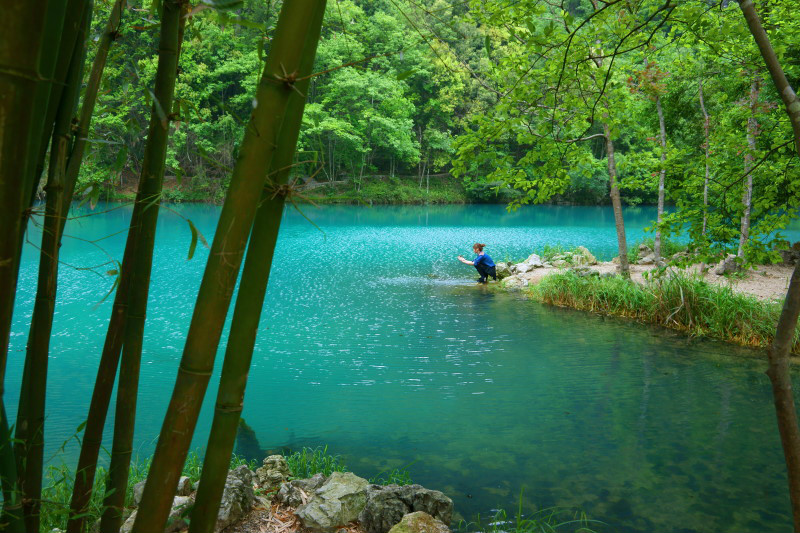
[[675, 301], [309, 461], [59, 480], [669, 248], [549, 520]]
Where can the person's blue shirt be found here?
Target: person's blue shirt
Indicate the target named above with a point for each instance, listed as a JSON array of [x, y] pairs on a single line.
[[485, 260]]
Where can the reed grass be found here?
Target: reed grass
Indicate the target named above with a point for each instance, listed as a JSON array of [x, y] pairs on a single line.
[[546, 520], [675, 301], [309, 461]]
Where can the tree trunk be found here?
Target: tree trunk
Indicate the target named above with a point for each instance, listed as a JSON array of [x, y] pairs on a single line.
[[616, 203], [227, 249], [662, 175], [787, 323], [143, 233], [747, 195], [707, 135], [29, 52], [31, 412], [250, 302], [30, 31]]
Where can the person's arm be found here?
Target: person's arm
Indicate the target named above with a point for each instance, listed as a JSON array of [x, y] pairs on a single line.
[[460, 258]]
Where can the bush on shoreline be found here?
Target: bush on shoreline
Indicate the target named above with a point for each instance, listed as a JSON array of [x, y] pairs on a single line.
[[675, 301]]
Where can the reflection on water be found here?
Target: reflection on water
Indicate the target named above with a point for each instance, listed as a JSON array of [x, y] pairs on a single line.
[[376, 342]]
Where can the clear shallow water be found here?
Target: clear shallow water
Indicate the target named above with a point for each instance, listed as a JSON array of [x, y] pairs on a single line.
[[376, 342]]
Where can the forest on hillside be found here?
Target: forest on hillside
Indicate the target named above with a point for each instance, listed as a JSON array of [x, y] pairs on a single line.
[[419, 87]]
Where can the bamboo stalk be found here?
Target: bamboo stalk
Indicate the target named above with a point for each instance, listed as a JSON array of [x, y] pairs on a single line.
[[31, 32], [33, 397], [144, 233], [12, 502], [250, 301], [27, 29], [72, 24], [230, 240]]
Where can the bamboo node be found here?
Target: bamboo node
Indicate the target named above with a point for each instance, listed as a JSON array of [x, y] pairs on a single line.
[[288, 80], [228, 409], [194, 372]]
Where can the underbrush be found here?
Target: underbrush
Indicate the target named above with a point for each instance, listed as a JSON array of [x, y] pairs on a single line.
[[59, 479], [669, 248], [677, 302], [58, 483], [397, 190], [303, 464]]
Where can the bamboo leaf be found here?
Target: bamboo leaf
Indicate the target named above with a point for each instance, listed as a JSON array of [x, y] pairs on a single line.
[[196, 235], [224, 4], [405, 74], [193, 244]]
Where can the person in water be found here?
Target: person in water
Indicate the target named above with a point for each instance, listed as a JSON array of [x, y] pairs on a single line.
[[482, 263]]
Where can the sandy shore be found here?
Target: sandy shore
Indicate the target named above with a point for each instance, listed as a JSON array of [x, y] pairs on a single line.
[[766, 282]]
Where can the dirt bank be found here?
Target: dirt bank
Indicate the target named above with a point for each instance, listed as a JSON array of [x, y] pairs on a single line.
[[765, 282]]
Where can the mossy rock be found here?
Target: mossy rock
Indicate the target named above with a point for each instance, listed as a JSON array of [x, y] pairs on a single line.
[[419, 522]]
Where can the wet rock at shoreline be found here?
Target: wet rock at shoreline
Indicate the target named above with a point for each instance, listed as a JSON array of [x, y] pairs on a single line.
[[515, 283], [238, 497], [419, 522], [181, 505], [298, 491], [386, 506], [503, 270], [273, 472], [336, 503], [520, 268]]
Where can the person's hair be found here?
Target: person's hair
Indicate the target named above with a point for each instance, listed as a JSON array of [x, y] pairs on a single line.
[[479, 246]]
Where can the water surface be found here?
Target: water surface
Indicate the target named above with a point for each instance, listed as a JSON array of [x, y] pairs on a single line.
[[376, 342]]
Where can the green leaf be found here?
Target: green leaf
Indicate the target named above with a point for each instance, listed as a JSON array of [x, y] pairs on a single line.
[[224, 4], [196, 235]]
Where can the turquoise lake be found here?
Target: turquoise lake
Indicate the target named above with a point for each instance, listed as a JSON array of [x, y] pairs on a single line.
[[376, 342]]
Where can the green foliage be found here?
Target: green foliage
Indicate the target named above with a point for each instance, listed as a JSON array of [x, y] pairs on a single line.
[[392, 110], [58, 482], [669, 247], [674, 301], [387, 190], [562, 73], [309, 461], [548, 520]]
